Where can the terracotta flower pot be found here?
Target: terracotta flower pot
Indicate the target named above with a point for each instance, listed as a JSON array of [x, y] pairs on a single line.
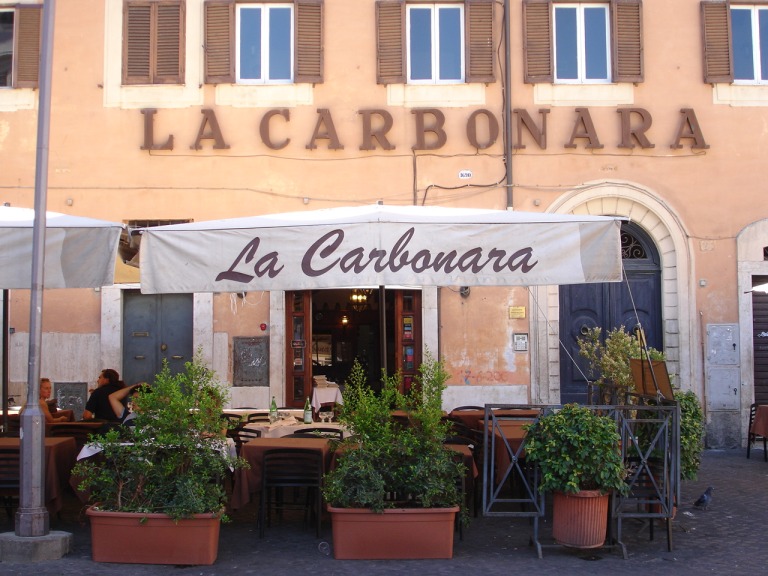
[[580, 520], [135, 538], [402, 533]]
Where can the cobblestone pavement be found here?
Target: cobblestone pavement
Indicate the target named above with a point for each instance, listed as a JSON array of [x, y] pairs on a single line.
[[728, 539]]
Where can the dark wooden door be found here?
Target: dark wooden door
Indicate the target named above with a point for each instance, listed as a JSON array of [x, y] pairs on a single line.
[[636, 300], [156, 327]]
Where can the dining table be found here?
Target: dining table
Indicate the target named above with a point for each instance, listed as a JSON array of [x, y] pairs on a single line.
[[326, 395], [285, 427], [760, 423], [60, 455], [247, 481]]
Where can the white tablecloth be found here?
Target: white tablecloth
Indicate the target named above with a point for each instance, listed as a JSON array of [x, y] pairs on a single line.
[[280, 429], [324, 395]]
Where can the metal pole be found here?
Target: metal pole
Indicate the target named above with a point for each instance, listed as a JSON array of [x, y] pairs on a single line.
[[32, 516], [5, 360], [508, 107]]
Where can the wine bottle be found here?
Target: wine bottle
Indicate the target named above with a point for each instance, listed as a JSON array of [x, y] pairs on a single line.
[[307, 411]]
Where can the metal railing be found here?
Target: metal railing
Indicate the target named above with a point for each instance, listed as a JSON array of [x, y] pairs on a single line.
[[650, 446]]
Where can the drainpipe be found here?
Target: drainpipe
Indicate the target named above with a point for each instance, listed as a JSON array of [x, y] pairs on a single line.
[[508, 107]]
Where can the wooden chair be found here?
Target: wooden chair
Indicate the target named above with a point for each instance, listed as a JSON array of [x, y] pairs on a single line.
[[751, 437], [319, 431], [260, 417], [291, 468], [9, 478], [232, 420], [241, 435]]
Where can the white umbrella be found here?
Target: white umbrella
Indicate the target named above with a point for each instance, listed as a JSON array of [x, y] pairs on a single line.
[[79, 252], [380, 245]]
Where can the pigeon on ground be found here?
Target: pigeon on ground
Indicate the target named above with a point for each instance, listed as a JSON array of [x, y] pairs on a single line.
[[705, 499]]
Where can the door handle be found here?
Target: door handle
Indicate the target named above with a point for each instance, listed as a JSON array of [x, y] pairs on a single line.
[[163, 347], [177, 357], [139, 357]]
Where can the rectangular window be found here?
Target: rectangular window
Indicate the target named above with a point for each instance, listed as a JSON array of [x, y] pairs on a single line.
[[264, 43], [749, 33], [435, 34], [6, 48], [582, 43]]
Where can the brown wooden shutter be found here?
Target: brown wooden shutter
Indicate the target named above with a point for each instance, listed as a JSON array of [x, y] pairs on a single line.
[[137, 43], [309, 41], [169, 55], [627, 40], [480, 50], [219, 42], [537, 41], [390, 42], [716, 40], [27, 44], [153, 42]]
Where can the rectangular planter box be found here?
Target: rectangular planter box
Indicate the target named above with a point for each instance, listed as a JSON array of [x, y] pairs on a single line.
[[135, 538], [397, 534]]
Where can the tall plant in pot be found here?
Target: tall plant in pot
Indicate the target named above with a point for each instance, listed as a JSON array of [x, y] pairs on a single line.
[[396, 489], [160, 485], [578, 453]]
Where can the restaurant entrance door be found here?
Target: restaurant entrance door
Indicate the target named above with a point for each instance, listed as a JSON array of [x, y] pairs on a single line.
[[328, 329]]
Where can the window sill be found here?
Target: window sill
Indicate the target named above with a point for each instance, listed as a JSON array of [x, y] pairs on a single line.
[[740, 95], [437, 96], [264, 96], [584, 94], [13, 99]]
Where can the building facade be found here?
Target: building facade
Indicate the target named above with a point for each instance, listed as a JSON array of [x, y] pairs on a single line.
[[185, 110]]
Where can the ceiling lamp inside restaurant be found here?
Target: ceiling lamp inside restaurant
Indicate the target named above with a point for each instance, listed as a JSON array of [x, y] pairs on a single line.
[[358, 299]]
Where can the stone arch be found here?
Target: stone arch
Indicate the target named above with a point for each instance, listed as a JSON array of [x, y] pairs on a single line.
[[663, 225]]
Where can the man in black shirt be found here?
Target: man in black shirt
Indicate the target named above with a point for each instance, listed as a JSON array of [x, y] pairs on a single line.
[[98, 405]]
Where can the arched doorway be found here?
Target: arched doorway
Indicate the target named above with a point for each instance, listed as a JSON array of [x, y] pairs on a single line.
[[609, 305]]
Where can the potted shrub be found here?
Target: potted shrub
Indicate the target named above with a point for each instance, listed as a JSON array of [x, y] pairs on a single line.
[[157, 491], [608, 360], [578, 453], [396, 489]]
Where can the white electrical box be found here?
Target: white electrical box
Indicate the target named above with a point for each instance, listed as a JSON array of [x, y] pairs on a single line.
[[722, 367]]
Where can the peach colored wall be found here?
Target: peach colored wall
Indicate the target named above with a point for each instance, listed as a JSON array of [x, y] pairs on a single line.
[[96, 162]]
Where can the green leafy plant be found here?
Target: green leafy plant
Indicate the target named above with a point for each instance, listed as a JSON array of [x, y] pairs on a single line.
[[691, 433], [175, 459], [608, 358], [576, 449], [387, 464]]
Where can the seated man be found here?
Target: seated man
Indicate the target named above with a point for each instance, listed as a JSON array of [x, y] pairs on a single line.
[[98, 406]]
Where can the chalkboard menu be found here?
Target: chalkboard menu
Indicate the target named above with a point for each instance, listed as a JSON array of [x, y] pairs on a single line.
[[71, 396], [251, 362]]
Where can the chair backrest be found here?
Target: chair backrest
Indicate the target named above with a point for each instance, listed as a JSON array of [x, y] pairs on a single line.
[[241, 435], [319, 431], [292, 467], [752, 411], [232, 420], [9, 469], [79, 433], [260, 417]]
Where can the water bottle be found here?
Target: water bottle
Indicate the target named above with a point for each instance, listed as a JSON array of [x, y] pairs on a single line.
[[307, 411], [273, 411]]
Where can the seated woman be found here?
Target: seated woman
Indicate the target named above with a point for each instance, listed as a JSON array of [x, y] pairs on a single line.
[[45, 394]]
